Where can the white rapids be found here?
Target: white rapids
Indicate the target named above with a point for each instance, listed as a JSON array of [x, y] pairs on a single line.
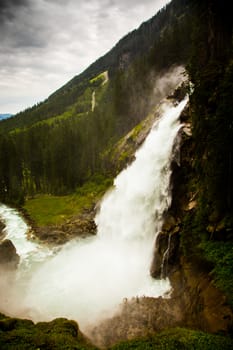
[[88, 278], [15, 230]]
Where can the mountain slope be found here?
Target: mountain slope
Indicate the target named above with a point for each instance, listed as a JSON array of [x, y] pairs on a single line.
[[45, 156], [152, 35], [59, 144]]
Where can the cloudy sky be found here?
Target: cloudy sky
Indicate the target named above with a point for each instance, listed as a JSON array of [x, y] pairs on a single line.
[[44, 43]]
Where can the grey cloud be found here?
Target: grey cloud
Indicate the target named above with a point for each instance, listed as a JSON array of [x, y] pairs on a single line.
[[8, 9], [23, 29], [8, 4]]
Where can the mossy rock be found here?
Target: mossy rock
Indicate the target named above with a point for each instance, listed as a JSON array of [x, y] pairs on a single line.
[[59, 334]]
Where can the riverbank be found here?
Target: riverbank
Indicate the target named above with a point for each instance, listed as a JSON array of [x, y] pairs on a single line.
[[55, 220]]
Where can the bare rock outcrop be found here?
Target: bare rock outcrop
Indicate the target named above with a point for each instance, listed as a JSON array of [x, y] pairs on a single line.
[[80, 226]]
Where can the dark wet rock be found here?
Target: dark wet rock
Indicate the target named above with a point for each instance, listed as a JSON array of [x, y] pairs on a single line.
[[161, 245], [180, 92], [169, 223], [8, 256], [166, 255], [205, 306], [185, 115], [2, 226]]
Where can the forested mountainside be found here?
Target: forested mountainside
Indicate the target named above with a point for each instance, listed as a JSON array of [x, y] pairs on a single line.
[[55, 148], [57, 145], [207, 230]]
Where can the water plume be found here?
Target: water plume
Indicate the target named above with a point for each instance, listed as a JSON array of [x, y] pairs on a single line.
[[89, 278]]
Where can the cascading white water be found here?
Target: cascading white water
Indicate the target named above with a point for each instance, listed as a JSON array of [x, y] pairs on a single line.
[[89, 278], [16, 230]]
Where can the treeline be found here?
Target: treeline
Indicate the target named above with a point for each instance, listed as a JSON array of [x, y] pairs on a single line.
[[211, 71], [207, 230], [47, 153]]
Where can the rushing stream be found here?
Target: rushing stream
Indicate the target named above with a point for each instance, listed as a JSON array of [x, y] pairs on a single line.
[[88, 278], [16, 230]]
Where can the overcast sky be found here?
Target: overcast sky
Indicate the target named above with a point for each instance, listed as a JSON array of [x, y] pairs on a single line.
[[45, 43]]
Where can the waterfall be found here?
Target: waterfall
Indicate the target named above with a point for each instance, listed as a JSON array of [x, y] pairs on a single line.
[[89, 278]]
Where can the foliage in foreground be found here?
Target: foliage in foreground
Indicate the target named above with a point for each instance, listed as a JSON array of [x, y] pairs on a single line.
[[62, 334], [220, 254], [59, 334], [179, 338]]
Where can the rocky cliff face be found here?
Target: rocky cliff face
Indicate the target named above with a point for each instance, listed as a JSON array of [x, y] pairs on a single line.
[[194, 301], [167, 253]]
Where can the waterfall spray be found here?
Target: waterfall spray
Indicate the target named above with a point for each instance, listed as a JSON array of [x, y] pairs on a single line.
[[89, 278]]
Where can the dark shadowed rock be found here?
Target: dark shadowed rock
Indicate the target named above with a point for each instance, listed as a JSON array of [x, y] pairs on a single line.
[[161, 245], [8, 256], [2, 226], [166, 255], [180, 92]]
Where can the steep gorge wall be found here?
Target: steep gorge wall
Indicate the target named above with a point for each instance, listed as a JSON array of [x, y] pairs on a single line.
[[194, 302]]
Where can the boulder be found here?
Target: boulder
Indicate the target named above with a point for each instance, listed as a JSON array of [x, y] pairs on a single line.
[[8, 256]]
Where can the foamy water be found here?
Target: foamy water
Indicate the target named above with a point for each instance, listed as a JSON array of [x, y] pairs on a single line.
[[16, 229], [89, 278]]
